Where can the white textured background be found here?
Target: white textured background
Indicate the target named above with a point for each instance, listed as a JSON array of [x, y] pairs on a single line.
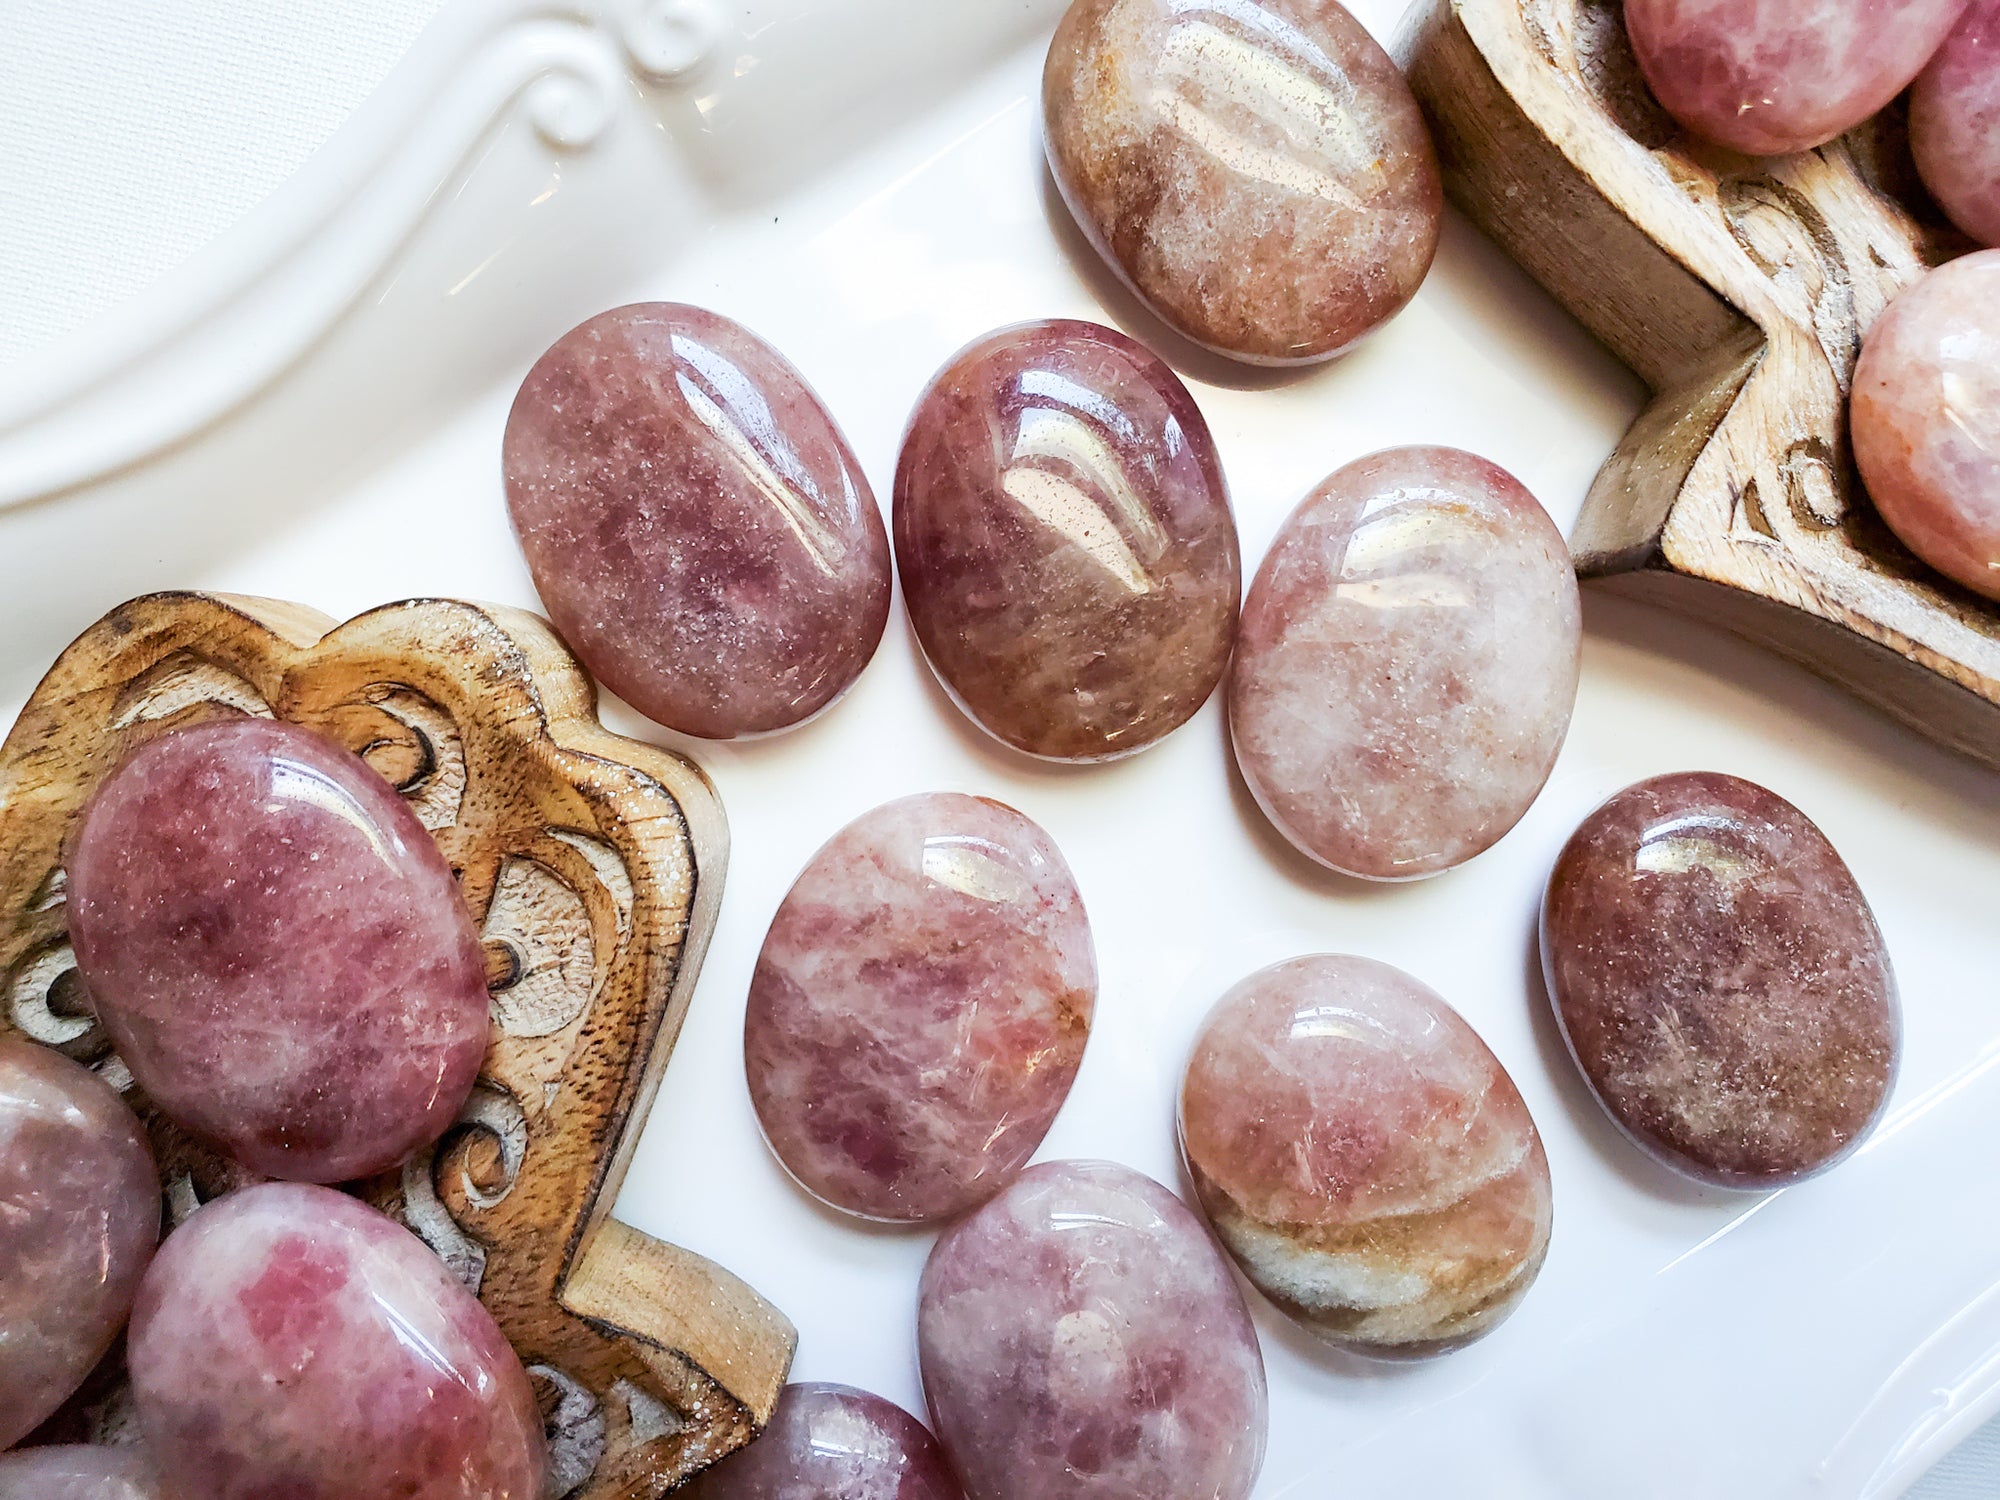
[[133, 132]]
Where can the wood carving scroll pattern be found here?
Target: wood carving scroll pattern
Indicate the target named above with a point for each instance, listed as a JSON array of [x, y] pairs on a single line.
[[593, 866], [1739, 289]]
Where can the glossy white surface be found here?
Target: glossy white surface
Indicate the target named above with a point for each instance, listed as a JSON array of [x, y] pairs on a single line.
[[857, 185]]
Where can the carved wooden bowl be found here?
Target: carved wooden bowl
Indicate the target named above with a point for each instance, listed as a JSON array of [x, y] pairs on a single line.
[[1738, 288], [593, 866]]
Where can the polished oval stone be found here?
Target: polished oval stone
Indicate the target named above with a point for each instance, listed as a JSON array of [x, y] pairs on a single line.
[[1082, 1339], [1720, 980], [832, 1442], [1925, 419], [920, 1007], [1364, 1156], [79, 1215], [1256, 170], [697, 526], [1955, 123], [290, 1340], [77, 1473], [277, 949], [1406, 664], [1065, 543], [1771, 76]]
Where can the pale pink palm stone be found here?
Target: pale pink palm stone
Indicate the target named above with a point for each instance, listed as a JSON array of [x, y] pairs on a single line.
[[920, 1007], [1926, 419], [1955, 123], [79, 1216], [1768, 77], [1406, 664], [290, 1340]]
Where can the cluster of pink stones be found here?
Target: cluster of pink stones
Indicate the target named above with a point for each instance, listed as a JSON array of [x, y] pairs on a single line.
[[1404, 672], [282, 959]]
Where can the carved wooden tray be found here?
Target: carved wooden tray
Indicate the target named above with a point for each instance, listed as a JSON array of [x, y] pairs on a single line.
[[1738, 289], [593, 865]]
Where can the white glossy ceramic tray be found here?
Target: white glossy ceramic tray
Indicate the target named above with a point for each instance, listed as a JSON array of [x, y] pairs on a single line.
[[312, 409]]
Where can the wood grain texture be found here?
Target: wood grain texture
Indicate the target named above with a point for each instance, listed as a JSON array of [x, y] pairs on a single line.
[[1739, 289], [592, 865]]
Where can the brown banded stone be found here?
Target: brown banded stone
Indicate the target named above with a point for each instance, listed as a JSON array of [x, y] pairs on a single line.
[[695, 522], [1082, 1339], [277, 949], [920, 1007], [1406, 663], [1364, 1156], [1720, 980], [1256, 170], [1925, 419], [79, 1216], [1065, 543]]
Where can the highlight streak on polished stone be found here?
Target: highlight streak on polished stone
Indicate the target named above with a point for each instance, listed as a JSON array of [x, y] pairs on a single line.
[[1720, 980], [1925, 419], [698, 528], [1365, 1157], [277, 949], [1082, 1339], [1065, 542], [1955, 123], [292, 1341], [79, 1216], [1256, 170], [920, 1007], [77, 1472], [1407, 663], [1767, 77], [832, 1442]]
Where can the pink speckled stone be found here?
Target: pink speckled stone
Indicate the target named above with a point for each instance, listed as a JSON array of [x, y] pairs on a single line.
[[696, 524], [1364, 1156], [1407, 663], [291, 1341], [832, 1442], [77, 1473], [1955, 123], [277, 949], [1925, 419], [1256, 170], [1720, 980], [1771, 76], [920, 1007], [1082, 1339], [1065, 543], [79, 1215]]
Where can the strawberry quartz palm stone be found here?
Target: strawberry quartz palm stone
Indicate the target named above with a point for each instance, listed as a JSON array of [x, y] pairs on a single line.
[[1767, 77], [1955, 123], [920, 1007], [1256, 170], [79, 1215], [291, 1341], [696, 524], [277, 949], [832, 1442], [1082, 1339]]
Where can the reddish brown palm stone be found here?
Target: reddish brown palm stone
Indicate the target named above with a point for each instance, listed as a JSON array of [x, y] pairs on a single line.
[[1720, 980]]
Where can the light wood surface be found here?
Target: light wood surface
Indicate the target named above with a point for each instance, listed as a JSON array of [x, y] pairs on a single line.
[[593, 866], [1738, 289]]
